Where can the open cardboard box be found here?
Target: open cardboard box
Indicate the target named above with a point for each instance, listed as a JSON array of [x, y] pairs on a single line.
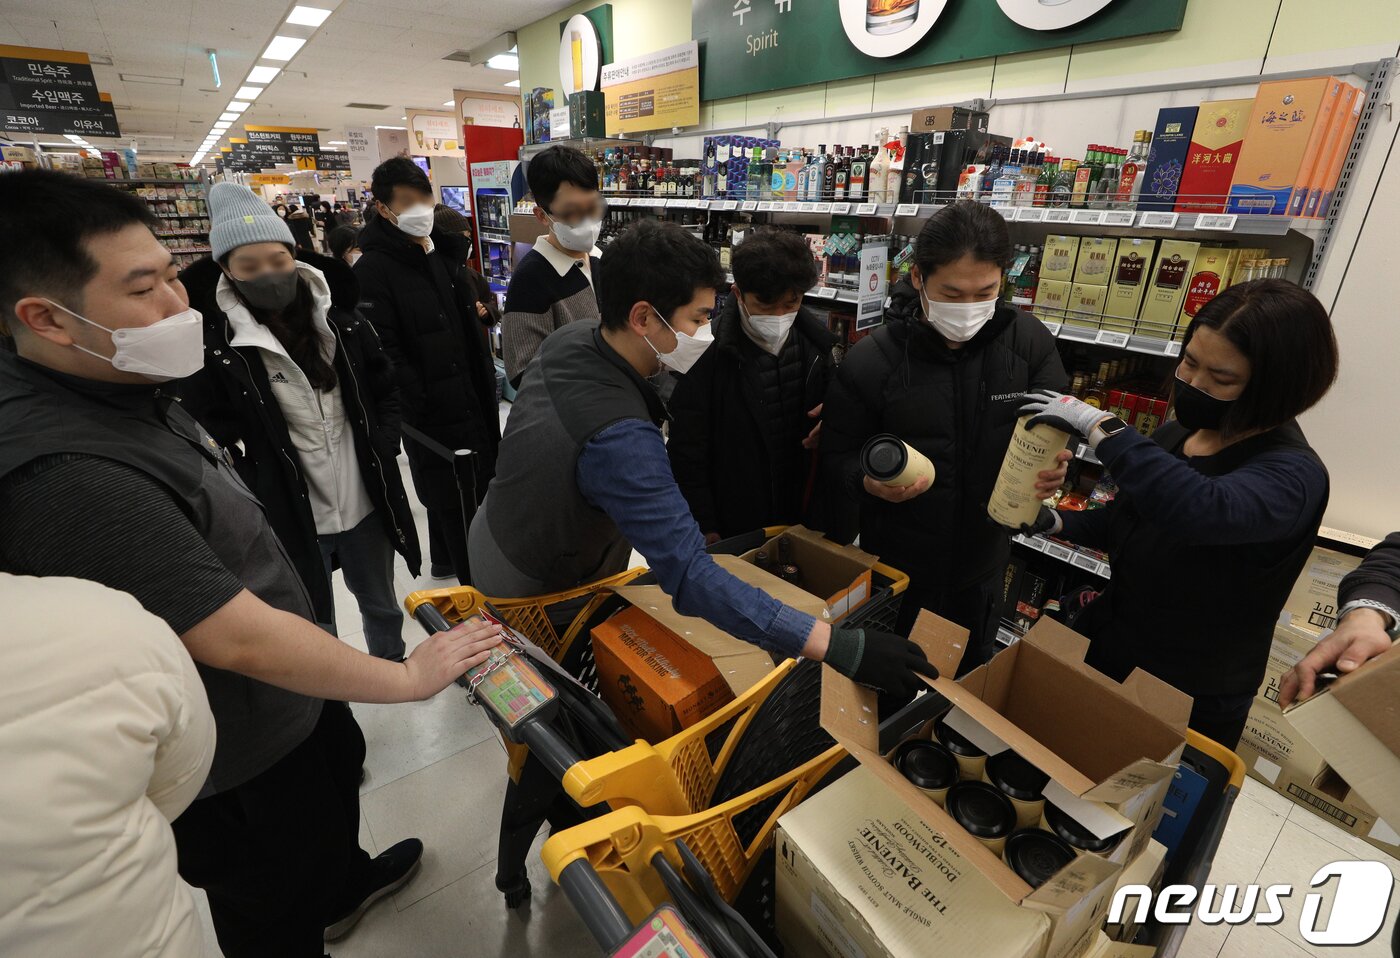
[[1354, 724], [741, 663], [1109, 745], [840, 575]]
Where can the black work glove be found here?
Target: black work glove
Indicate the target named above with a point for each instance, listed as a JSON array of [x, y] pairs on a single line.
[[881, 660], [1047, 523]]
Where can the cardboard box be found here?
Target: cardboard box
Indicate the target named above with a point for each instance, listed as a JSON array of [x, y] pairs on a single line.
[[1051, 300], [932, 162], [1127, 282], [861, 874], [1057, 260], [1312, 603], [1095, 262], [1289, 645], [656, 683], [1335, 107], [587, 114], [1105, 947], [1320, 192], [838, 575], [1215, 149], [1285, 134], [1171, 145], [947, 118], [1145, 869], [1086, 304], [1166, 287], [1355, 725], [1106, 747], [1211, 272]]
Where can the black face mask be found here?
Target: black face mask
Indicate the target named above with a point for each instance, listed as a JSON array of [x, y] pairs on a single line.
[[454, 246], [272, 292], [1199, 410]]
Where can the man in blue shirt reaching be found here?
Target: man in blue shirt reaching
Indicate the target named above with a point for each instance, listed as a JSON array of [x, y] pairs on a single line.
[[582, 476]]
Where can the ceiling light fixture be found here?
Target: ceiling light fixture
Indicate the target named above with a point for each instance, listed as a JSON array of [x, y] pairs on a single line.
[[238, 106], [391, 128], [449, 102], [230, 117], [248, 92], [263, 74], [283, 48], [504, 61], [308, 16], [514, 83], [220, 127]]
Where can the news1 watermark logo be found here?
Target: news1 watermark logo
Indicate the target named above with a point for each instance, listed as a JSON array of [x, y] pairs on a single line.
[[1359, 904]]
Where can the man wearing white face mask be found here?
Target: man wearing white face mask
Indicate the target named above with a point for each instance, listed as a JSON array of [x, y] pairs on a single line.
[[946, 374], [553, 284], [416, 292], [583, 477], [745, 423]]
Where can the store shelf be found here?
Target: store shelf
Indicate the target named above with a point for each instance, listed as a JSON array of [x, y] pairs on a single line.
[[827, 293], [584, 143], [1065, 553], [148, 181]]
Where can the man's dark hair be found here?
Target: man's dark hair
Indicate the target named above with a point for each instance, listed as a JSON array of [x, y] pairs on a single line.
[[341, 239], [657, 263], [1287, 337], [964, 228], [773, 264], [556, 166], [398, 171], [46, 218]]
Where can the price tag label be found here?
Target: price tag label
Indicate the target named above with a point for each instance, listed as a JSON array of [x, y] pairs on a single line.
[[838, 209], [666, 204], [1116, 340], [1054, 328], [1031, 215], [748, 206], [1039, 545], [865, 209], [1225, 222], [1088, 563], [1058, 552], [907, 209], [702, 204], [729, 205], [1060, 215], [766, 206], [1157, 221], [1119, 218], [826, 292], [825, 207], [1173, 349], [623, 201], [1087, 217], [1105, 571]]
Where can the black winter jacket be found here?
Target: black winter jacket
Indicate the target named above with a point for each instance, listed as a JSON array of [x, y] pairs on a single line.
[[231, 398], [957, 407], [1377, 578], [424, 309], [725, 413]]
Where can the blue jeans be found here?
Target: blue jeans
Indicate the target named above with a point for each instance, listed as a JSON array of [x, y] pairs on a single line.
[[367, 559]]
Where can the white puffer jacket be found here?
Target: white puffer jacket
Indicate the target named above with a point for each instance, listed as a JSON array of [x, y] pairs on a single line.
[[105, 737]]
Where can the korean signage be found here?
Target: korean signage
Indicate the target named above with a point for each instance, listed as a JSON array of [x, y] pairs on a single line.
[[269, 179], [752, 46], [333, 160], [363, 150], [281, 144], [653, 92], [475, 110], [52, 91], [434, 133]]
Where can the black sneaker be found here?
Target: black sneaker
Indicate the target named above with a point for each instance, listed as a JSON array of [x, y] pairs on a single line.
[[436, 571], [390, 871]]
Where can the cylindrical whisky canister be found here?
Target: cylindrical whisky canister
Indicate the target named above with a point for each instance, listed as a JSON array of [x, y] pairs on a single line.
[[892, 461], [1021, 782], [928, 766], [1031, 451], [983, 812], [1075, 834], [971, 759], [1036, 855]]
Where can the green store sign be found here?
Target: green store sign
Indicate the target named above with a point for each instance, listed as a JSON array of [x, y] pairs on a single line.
[[749, 46]]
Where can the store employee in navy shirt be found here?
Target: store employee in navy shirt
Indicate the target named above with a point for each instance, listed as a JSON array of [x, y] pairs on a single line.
[[583, 477]]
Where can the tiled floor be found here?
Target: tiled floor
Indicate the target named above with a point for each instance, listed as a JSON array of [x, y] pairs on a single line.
[[436, 771]]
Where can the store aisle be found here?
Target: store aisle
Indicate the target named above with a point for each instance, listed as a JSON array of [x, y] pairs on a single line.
[[436, 771]]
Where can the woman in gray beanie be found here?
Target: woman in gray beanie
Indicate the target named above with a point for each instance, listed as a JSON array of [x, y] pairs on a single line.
[[295, 377]]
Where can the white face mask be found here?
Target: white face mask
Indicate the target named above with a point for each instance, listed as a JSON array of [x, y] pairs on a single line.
[[416, 220], [688, 348], [580, 238], [170, 349], [768, 332], [353, 258], [958, 322]]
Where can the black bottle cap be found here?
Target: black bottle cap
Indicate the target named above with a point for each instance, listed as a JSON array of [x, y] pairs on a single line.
[[956, 743], [883, 457], [1076, 834], [981, 809], [1016, 777], [926, 764], [1035, 855]]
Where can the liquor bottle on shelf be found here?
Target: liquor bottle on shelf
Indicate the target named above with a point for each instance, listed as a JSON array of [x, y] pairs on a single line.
[[829, 174], [1107, 187], [1004, 187], [843, 174], [1025, 183], [1023, 291], [1062, 188], [1083, 174], [995, 165], [1130, 183], [878, 169], [895, 177], [1096, 394]]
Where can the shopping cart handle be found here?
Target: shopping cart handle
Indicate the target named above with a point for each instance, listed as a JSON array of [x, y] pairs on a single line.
[[431, 619], [595, 905]]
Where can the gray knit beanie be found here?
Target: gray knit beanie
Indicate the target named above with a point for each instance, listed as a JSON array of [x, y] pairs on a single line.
[[239, 217]]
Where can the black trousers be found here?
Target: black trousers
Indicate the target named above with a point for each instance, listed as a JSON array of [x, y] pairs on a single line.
[[972, 608], [279, 856], [436, 486], [1221, 718]]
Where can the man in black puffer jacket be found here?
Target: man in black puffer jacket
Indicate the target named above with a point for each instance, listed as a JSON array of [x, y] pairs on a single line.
[[424, 307], [232, 398], [744, 419], [947, 378]]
